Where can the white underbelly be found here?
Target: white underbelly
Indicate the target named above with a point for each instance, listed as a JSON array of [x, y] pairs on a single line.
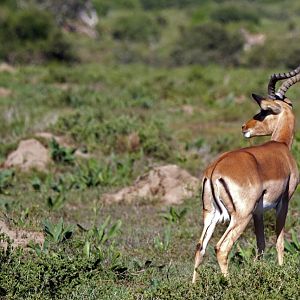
[[274, 191], [269, 205]]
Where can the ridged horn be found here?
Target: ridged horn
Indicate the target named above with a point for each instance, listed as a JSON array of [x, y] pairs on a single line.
[[275, 77], [286, 85]]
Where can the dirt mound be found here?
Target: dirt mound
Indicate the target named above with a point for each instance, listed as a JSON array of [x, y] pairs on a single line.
[[5, 92], [169, 183], [62, 141], [4, 67], [30, 154], [21, 237]]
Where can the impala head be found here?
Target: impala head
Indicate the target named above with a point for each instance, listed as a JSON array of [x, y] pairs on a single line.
[[275, 110], [266, 121]]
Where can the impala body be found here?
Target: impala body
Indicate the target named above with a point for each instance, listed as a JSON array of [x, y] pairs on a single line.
[[241, 184]]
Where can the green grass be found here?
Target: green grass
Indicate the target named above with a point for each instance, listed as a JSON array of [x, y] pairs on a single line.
[[151, 257]]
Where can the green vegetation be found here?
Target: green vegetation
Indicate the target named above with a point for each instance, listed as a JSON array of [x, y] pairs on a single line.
[[208, 42], [30, 35], [161, 82]]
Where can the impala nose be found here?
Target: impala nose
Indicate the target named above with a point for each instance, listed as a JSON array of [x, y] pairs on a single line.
[[245, 131]]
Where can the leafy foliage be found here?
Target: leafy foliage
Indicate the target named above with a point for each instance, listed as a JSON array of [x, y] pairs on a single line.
[[208, 43], [159, 4], [60, 153], [173, 215], [162, 244], [31, 34], [136, 27], [6, 178], [235, 13], [58, 232], [293, 246]]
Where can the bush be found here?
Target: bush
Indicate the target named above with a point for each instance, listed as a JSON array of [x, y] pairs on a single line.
[[31, 35], [104, 6], [32, 25], [207, 43], [57, 47], [25, 25], [234, 13], [122, 134], [137, 27], [274, 53], [12, 4], [160, 4], [62, 11]]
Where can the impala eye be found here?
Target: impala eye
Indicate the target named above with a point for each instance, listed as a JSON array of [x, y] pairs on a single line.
[[262, 115]]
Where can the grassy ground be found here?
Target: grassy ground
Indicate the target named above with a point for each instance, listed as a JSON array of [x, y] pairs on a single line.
[[149, 255], [185, 115]]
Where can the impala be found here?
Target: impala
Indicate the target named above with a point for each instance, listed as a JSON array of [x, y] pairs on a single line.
[[241, 184]]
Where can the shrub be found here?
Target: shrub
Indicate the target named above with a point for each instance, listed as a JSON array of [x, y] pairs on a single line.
[[62, 10], [160, 4], [31, 35], [61, 154], [113, 135], [234, 13], [104, 6], [156, 141], [138, 26], [12, 4], [207, 43], [270, 55], [31, 25], [57, 47], [6, 178]]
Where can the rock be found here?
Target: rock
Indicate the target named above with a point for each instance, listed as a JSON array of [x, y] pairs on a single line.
[[169, 183], [30, 154], [188, 109], [21, 237], [5, 92], [133, 142], [49, 136], [4, 67]]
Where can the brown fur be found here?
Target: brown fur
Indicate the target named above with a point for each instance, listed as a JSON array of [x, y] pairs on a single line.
[[240, 183]]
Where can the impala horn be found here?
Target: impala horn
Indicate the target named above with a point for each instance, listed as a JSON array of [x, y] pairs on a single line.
[[275, 77], [280, 94]]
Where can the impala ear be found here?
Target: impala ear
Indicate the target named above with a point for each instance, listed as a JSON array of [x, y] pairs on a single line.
[[270, 106], [258, 99]]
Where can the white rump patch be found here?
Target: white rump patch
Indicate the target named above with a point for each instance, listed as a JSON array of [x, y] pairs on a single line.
[[224, 215]]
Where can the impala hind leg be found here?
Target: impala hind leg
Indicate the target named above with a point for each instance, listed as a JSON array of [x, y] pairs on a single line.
[[258, 218], [210, 221], [233, 232], [281, 212]]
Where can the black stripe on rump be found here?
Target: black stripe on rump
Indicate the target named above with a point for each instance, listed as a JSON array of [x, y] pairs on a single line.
[[203, 188], [214, 196], [227, 191]]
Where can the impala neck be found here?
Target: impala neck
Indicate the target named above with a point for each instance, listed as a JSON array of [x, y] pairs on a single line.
[[284, 131]]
